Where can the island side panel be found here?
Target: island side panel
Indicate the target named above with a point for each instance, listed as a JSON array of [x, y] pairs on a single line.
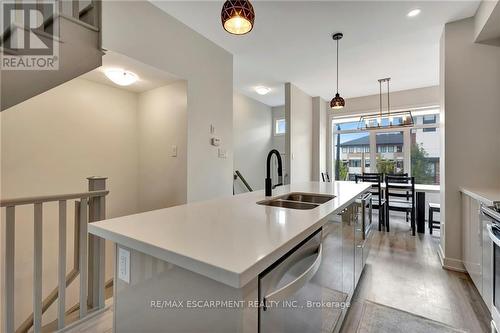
[[162, 297]]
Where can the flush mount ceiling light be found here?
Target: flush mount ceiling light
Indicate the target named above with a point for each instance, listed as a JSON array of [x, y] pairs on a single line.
[[386, 119], [121, 77], [337, 102], [237, 16], [261, 90], [413, 12]]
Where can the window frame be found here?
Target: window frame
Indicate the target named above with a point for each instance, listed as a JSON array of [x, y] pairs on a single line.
[[275, 129], [406, 148]]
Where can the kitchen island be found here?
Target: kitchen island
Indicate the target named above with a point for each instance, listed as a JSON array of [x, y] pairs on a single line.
[[199, 267]]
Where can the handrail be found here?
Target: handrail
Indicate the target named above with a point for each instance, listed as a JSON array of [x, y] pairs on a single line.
[[51, 198], [238, 174], [88, 260]]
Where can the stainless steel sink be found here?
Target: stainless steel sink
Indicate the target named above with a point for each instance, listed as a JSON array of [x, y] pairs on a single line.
[[308, 197], [288, 204], [297, 200]]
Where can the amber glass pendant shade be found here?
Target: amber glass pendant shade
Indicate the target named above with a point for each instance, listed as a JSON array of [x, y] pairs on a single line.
[[237, 16], [337, 102]]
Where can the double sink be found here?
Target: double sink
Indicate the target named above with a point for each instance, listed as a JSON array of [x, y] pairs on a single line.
[[297, 200]]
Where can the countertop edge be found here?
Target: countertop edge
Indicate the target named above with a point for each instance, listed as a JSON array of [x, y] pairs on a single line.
[[480, 195], [217, 273]]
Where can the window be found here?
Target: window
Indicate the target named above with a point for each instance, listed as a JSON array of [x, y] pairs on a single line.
[[429, 119], [425, 154], [355, 163], [345, 163], [389, 161], [414, 150], [280, 127]]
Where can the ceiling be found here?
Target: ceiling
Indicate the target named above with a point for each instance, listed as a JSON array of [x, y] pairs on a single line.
[[291, 42], [149, 77]]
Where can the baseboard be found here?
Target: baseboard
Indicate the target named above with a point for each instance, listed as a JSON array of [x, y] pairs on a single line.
[[449, 263]]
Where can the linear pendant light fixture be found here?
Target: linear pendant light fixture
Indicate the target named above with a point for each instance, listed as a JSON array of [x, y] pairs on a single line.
[[237, 16], [337, 102], [386, 119]]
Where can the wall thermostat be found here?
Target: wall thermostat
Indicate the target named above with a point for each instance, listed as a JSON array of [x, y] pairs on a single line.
[[215, 142]]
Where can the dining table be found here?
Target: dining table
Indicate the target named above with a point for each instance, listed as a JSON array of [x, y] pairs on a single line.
[[420, 190]]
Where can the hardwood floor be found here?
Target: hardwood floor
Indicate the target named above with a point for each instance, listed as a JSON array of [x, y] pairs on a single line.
[[404, 272]]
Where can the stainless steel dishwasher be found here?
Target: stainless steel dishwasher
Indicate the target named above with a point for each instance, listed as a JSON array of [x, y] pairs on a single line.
[[286, 290]]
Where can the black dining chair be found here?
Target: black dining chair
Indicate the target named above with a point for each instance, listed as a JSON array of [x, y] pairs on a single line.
[[378, 201], [400, 197], [396, 180]]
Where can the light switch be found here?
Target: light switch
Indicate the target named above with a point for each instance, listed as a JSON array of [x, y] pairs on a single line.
[[174, 151], [222, 153], [124, 265]]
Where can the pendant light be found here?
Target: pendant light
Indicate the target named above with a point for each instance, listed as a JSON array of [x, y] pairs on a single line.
[[337, 102], [237, 16], [386, 119]]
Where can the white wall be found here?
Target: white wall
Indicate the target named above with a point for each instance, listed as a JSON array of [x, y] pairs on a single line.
[[470, 82], [298, 112], [157, 39], [162, 123], [50, 144], [404, 99], [487, 22], [252, 140], [319, 119]]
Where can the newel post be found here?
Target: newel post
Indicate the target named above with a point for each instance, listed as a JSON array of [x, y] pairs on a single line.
[[97, 212]]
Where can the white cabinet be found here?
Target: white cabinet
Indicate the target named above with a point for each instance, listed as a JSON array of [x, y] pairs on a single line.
[[477, 248], [476, 241], [466, 252], [487, 266], [472, 239]]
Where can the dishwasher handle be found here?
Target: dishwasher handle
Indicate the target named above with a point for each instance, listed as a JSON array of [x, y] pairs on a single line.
[[293, 286]]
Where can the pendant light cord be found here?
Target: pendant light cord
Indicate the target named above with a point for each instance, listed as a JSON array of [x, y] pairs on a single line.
[[388, 100], [337, 66], [380, 97]]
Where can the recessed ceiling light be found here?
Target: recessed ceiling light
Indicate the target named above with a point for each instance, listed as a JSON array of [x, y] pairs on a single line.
[[413, 12], [261, 90], [121, 77]]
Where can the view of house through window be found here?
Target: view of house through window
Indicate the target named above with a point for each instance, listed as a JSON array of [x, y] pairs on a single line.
[[412, 150], [389, 155]]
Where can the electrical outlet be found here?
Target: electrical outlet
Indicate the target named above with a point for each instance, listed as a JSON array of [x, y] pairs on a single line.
[[124, 265]]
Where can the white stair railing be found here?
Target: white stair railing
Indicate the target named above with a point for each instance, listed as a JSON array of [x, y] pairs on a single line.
[[89, 207]]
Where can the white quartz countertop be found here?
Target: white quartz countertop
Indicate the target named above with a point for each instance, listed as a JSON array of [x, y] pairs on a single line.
[[230, 239], [486, 195]]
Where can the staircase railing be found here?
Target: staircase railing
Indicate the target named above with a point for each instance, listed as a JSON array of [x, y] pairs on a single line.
[[89, 207], [237, 174]]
